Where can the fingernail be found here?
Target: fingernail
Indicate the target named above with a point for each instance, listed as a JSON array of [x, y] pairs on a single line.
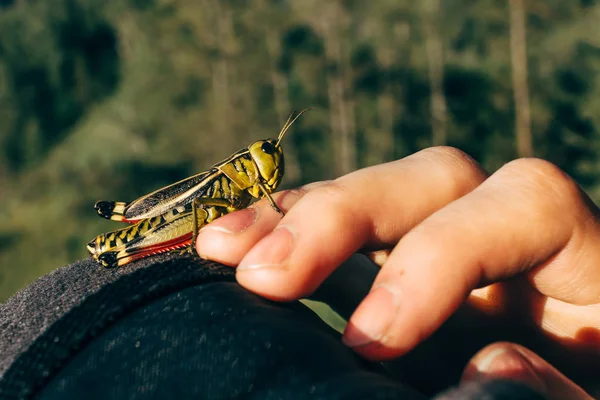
[[510, 364], [373, 318], [486, 363], [272, 251], [233, 223]]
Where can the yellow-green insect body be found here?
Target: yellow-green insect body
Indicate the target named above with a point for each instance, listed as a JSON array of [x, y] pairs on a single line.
[[253, 172], [170, 231]]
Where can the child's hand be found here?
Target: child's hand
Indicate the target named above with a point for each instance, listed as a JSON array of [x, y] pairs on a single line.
[[451, 229]]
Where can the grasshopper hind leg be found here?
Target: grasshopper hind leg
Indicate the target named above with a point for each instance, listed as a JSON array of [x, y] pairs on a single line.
[[197, 208], [204, 211], [109, 259]]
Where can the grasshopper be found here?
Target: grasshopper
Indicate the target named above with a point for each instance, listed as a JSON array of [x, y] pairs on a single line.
[[170, 218], [169, 231]]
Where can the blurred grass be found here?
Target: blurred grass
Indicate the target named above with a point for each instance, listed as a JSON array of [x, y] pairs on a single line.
[[110, 100], [327, 314]]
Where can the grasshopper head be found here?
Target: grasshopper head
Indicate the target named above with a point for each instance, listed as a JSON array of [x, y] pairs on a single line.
[[268, 156]]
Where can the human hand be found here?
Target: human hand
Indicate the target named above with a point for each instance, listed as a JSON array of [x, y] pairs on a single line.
[[451, 228]]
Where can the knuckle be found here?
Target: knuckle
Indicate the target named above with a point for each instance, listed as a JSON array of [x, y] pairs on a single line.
[[455, 158], [335, 192], [449, 151], [534, 166], [544, 177], [457, 167]]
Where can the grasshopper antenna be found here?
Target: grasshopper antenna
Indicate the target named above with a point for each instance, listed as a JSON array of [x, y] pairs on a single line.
[[289, 123]]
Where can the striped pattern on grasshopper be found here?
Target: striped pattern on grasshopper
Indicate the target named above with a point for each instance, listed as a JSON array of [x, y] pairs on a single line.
[[169, 218]]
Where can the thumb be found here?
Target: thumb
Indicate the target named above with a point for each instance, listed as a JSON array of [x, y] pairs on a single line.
[[510, 361]]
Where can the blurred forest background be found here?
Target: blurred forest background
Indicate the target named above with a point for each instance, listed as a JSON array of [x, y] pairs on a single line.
[[110, 99]]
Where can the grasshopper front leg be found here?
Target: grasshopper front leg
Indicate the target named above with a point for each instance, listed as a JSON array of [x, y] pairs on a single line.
[[268, 196]]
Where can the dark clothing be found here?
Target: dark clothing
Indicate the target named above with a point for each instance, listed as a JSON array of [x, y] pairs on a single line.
[[180, 327]]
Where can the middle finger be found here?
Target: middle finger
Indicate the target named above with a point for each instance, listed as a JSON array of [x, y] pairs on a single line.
[[289, 258]]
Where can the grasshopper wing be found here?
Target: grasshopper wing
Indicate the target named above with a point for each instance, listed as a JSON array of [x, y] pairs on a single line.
[[160, 201]]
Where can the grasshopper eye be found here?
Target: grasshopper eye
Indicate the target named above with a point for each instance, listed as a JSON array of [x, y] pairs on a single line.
[[268, 148]]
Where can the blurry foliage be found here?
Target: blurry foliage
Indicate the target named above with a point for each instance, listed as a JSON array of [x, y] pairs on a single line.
[[112, 99], [58, 61]]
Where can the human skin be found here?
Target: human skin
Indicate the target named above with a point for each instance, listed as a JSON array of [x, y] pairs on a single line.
[[450, 231]]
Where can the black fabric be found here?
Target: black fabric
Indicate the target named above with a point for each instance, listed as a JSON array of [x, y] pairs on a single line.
[[173, 327], [34, 309]]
